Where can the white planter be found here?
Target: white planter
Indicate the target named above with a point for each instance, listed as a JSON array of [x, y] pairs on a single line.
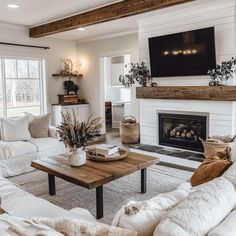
[[228, 82], [231, 81], [77, 157]]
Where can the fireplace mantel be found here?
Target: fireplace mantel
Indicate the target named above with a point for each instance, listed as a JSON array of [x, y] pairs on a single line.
[[214, 93]]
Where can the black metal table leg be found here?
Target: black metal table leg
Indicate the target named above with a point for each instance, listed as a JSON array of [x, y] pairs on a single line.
[[99, 202], [144, 180], [51, 185]]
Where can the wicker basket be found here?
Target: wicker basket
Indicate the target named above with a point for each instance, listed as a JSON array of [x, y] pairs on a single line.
[[211, 148], [129, 130]]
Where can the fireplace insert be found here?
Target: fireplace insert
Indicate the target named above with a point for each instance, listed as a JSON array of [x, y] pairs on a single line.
[[182, 130]]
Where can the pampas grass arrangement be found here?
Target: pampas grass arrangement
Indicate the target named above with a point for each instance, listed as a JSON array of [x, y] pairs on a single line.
[[75, 134]]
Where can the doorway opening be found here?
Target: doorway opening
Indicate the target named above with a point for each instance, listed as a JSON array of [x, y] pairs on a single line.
[[115, 98]]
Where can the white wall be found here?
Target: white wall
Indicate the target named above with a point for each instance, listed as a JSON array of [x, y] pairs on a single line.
[[194, 15], [59, 50], [90, 53]]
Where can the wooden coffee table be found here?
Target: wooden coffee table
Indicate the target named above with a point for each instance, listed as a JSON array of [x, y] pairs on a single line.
[[95, 174]]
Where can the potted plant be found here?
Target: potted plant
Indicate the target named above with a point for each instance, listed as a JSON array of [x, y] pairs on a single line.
[[138, 72], [223, 73], [76, 135]]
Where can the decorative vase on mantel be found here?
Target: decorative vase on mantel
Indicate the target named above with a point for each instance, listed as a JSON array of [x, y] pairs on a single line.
[[144, 84], [230, 81], [223, 74], [77, 157]]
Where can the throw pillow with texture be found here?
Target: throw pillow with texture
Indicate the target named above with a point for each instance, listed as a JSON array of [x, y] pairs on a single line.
[[144, 216], [39, 125], [214, 166], [15, 129], [200, 212]]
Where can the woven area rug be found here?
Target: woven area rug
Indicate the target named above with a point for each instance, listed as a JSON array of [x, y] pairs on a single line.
[[159, 179]]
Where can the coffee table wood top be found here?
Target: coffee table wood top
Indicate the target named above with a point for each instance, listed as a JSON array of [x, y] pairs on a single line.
[[94, 174]]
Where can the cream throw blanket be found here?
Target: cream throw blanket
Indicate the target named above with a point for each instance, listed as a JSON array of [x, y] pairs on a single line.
[[6, 150], [12, 226]]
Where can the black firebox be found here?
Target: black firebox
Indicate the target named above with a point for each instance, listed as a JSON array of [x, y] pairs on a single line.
[[182, 130]]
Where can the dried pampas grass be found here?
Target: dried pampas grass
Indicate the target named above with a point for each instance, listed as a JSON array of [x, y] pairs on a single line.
[[75, 134]]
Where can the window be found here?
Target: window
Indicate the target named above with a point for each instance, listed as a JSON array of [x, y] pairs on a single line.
[[21, 87]]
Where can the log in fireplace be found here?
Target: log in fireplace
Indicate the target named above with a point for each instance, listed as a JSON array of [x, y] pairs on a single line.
[[182, 129]]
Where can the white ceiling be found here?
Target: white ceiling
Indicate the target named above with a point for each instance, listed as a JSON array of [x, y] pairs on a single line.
[[34, 12]]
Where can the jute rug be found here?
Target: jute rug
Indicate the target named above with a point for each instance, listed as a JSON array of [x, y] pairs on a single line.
[[160, 179]]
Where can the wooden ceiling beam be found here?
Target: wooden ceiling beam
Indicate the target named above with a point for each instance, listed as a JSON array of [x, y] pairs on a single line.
[[110, 12]]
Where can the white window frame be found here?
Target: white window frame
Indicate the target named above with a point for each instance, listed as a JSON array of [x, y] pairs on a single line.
[[42, 82]]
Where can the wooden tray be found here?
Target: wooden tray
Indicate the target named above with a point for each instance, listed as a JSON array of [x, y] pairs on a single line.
[[97, 157]]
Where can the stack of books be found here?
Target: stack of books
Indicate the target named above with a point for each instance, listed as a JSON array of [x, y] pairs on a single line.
[[106, 149]]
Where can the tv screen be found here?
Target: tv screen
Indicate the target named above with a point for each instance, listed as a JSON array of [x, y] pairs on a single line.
[[183, 54]]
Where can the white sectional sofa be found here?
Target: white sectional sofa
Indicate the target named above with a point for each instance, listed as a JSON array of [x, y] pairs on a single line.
[[26, 214], [26, 151], [16, 202], [206, 210]]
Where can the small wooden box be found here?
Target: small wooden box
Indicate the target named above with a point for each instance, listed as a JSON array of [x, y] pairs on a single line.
[[68, 99]]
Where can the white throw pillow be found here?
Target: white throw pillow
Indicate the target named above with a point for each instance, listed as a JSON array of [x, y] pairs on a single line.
[[147, 214], [38, 125], [201, 211], [226, 228], [15, 129]]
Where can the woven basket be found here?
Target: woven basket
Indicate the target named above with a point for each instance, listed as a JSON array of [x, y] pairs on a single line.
[[211, 148], [129, 130]]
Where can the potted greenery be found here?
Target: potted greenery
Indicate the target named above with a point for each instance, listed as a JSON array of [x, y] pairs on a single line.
[[138, 72], [223, 74], [76, 135]]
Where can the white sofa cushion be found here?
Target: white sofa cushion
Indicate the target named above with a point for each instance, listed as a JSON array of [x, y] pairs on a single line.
[[230, 174], [22, 148], [201, 211], [226, 228], [147, 214], [15, 129], [43, 144]]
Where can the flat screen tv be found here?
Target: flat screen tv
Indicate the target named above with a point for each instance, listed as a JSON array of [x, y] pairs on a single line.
[[183, 54]]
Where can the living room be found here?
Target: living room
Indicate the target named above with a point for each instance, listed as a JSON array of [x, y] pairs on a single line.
[[117, 117]]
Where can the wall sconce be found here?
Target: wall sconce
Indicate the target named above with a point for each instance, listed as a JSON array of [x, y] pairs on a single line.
[[81, 63]]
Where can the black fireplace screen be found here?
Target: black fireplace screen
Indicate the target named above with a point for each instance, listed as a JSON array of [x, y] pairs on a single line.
[[182, 131]]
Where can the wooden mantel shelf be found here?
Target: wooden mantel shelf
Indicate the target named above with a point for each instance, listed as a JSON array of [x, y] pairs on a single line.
[[214, 93]]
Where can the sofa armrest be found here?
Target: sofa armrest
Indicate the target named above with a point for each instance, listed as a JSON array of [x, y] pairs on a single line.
[[53, 132]]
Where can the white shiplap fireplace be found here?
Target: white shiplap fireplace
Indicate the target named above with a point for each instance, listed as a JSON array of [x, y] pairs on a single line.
[[221, 118], [194, 15]]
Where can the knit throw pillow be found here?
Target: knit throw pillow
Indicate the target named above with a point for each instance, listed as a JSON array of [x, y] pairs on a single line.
[[213, 167], [39, 125]]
